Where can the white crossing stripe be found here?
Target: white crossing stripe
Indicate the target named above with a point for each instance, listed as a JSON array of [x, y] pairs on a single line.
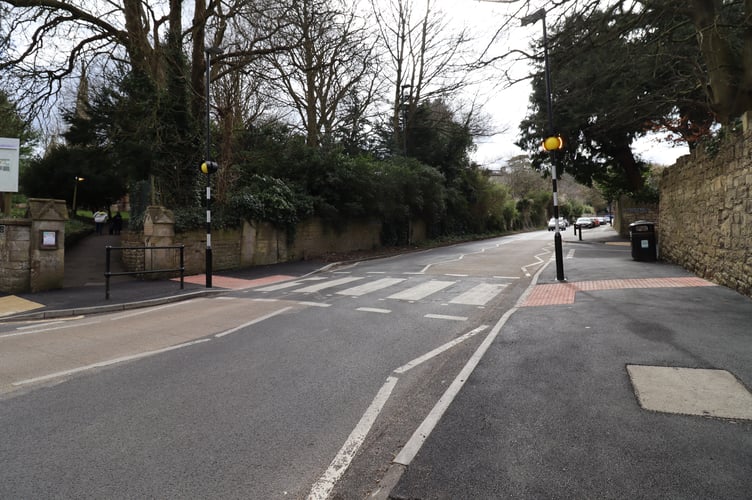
[[444, 316], [327, 284], [422, 291], [359, 290], [287, 284], [279, 286], [374, 310], [479, 295]]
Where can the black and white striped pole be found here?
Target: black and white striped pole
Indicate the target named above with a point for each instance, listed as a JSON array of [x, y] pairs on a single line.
[[209, 167], [552, 143]]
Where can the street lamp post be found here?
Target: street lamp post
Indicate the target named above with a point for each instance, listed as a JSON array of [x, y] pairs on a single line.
[[552, 143], [208, 167], [406, 96], [75, 193]]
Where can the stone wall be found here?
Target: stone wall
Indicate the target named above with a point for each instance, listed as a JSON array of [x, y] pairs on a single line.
[[15, 239], [705, 222], [32, 250], [256, 243]]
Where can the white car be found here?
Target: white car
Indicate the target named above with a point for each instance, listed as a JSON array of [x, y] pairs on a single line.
[[552, 224]]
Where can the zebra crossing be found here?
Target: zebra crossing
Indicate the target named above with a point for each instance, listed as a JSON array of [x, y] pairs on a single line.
[[460, 292]]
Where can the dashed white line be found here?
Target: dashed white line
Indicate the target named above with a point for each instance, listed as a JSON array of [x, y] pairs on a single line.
[[374, 310], [444, 316]]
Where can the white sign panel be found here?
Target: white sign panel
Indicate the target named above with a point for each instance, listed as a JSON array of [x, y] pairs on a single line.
[[9, 165]]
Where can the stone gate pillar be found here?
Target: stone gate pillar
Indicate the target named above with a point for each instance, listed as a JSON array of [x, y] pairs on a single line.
[[159, 230], [46, 244]]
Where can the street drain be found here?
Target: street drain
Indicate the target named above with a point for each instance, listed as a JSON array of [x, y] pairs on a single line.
[[690, 391]]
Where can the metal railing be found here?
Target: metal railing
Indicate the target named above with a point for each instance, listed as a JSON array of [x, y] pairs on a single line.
[[108, 273]]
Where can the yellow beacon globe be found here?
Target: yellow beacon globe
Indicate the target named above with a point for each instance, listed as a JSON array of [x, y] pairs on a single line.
[[553, 143]]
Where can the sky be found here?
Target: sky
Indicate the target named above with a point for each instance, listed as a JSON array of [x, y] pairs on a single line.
[[507, 107]]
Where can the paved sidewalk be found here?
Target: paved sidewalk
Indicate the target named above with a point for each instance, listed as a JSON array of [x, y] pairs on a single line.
[[83, 289], [629, 380]]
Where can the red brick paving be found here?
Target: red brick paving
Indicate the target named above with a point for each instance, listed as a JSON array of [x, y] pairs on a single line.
[[564, 293]]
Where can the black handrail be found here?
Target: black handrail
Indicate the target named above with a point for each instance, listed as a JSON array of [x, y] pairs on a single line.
[[108, 273]]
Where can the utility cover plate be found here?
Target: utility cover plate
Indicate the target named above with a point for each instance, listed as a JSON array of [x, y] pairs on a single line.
[[690, 391]]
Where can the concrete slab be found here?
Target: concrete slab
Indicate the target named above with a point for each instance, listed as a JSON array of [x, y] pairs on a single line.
[[691, 391], [14, 305]]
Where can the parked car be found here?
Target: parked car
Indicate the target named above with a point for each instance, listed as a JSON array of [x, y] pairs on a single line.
[[552, 224], [585, 222]]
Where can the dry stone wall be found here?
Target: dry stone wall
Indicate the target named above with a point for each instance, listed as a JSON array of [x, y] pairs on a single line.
[[706, 214]]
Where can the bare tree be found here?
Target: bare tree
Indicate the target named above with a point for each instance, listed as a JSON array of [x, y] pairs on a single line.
[[330, 60], [425, 57]]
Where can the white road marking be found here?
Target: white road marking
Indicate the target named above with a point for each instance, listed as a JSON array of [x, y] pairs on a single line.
[[479, 295], [374, 310], [422, 291], [413, 445], [537, 262], [327, 284], [570, 254], [457, 275], [277, 287], [507, 277], [432, 354], [444, 316], [324, 486], [313, 304], [252, 322], [102, 364], [49, 329], [376, 272], [359, 290], [152, 309]]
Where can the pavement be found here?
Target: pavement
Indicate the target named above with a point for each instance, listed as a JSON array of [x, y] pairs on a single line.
[[628, 379], [84, 285]]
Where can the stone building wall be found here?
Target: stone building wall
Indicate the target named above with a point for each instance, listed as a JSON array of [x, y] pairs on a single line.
[[705, 222]]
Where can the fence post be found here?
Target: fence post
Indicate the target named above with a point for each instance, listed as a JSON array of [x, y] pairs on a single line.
[[108, 251]]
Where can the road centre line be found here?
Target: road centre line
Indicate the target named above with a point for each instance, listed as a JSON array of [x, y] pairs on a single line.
[[132, 357], [432, 354], [252, 322], [109, 362], [413, 445], [324, 486]]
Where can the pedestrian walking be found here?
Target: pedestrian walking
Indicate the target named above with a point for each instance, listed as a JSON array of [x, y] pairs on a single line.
[[117, 223], [100, 219]]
